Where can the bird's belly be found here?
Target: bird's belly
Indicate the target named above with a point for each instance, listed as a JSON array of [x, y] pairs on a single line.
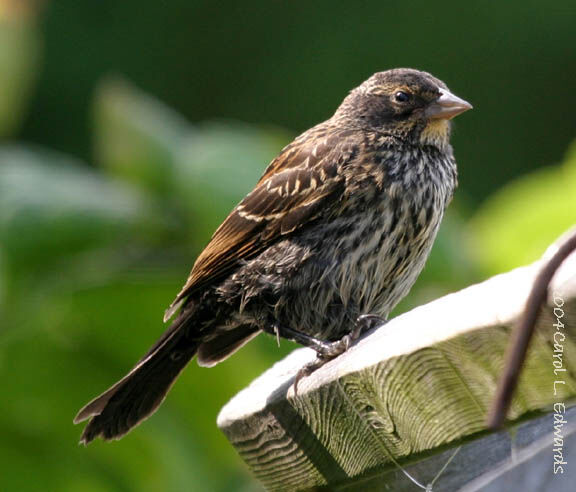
[[320, 281], [365, 263], [388, 264]]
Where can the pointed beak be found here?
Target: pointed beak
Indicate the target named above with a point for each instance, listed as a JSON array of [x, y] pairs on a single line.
[[447, 106]]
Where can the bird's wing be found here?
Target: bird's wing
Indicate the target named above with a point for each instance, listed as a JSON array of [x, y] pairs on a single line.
[[297, 187]]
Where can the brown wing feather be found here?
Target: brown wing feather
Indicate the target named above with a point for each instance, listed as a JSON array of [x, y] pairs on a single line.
[[294, 190]]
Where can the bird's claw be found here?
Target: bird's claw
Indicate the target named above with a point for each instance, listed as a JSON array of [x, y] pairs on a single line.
[[367, 322], [328, 351], [306, 370]]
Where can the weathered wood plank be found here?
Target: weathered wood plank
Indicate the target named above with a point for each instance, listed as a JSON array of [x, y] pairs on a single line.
[[406, 391]]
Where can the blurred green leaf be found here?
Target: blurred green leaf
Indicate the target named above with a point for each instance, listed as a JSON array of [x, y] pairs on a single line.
[[3, 281], [19, 53], [104, 329], [136, 136], [218, 165], [51, 205], [516, 225]]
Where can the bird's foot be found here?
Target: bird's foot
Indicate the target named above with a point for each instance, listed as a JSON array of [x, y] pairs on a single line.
[[308, 369], [326, 351]]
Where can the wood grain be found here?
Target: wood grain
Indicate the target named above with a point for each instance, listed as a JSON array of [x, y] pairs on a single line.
[[412, 388]]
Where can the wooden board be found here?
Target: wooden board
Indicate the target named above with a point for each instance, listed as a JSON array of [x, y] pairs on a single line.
[[413, 388]]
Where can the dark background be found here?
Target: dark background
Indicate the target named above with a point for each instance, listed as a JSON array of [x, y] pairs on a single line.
[[290, 63], [130, 128]]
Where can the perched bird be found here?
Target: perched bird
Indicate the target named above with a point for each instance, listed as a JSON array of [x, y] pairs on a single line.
[[339, 226]]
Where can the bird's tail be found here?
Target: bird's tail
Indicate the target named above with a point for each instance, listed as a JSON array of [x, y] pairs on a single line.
[[138, 394]]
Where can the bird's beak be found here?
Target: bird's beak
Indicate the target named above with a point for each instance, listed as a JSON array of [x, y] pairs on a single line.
[[447, 106]]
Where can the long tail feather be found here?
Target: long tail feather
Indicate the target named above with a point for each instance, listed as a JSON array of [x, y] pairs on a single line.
[[138, 394]]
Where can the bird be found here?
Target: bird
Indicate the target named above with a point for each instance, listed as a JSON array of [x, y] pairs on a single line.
[[331, 238]]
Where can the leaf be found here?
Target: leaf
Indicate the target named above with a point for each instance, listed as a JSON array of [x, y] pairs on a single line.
[[136, 135], [3, 282], [19, 47], [52, 206], [515, 225]]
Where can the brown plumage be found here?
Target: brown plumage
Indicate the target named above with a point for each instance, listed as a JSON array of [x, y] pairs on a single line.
[[339, 226]]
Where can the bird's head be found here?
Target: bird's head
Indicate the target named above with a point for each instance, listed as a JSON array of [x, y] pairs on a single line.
[[404, 103]]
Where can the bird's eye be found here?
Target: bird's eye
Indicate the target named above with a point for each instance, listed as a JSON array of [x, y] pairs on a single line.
[[402, 97]]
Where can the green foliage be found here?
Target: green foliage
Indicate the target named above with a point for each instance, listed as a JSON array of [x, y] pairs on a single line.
[[52, 206], [517, 224], [19, 49], [136, 136]]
